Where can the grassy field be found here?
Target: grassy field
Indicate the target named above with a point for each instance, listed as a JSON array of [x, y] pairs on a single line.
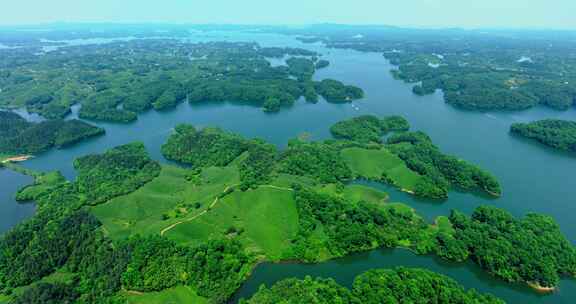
[[355, 193], [144, 211], [287, 180], [358, 193], [264, 219], [443, 224], [373, 164], [176, 295], [191, 209]]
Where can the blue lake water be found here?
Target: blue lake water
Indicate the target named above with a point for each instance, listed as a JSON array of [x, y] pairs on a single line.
[[534, 178]]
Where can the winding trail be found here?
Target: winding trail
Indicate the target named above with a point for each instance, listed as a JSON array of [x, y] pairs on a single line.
[[197, 215], [276, 187], [216, 200]]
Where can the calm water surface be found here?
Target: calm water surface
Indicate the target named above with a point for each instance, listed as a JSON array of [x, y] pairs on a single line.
[[10, 211], [534, 178]]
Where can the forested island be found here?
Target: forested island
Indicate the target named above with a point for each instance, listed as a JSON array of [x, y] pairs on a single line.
[[18, 136], [555, 133], [409, 160], [117, 81], [424, 170], [368, 128], [477, 70], [129, 228], [516, 250], [399, 285]]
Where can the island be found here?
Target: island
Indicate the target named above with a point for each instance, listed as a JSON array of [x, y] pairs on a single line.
[[129, 228], [398, 285], [22, 138], [408, 160], [556, 133], [116, 81], [368, 128], [476, 70]]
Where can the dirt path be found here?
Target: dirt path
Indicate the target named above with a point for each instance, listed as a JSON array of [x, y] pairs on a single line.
[[196, 216], [216, 200], [276, 187], [105, 231]]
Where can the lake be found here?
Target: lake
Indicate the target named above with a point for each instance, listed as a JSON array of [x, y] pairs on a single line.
[[534, 178], [12, 212]]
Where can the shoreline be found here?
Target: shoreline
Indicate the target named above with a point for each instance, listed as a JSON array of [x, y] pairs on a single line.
[[19, 158], [496, 195], [407, 191], [540, 288]]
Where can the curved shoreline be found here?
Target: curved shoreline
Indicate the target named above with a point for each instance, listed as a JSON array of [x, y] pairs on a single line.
[[19, 158], [541, 288], [407, 191]]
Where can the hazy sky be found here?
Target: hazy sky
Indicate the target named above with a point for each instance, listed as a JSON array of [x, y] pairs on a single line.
[[436, 13]]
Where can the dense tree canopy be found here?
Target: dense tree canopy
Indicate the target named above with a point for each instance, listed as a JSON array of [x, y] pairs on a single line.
[[215, 147], [559, 134], [489, 81], [47, 293], [301, 68], [320, 161], [406, 285], [337, 92], [332, 227], [118, 171], [18, 136], [214, 269], [440, 170], [61, 226], [116, 81], [368, 128], [531, 249], [308, 290], [203, 148], [39, 246], [105, 105], [323, 161], [477, 70], [399, 285], [259, 165]]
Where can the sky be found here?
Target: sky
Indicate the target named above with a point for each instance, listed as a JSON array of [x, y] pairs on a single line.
[[413, 13]]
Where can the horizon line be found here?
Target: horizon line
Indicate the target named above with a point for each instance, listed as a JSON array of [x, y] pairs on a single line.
[[186, 23]]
